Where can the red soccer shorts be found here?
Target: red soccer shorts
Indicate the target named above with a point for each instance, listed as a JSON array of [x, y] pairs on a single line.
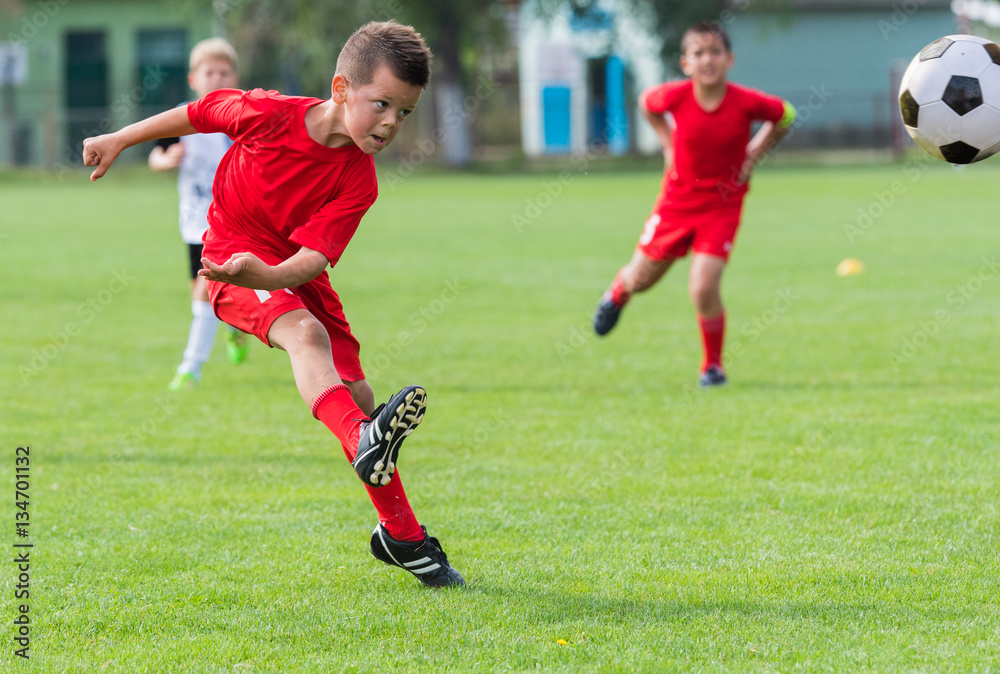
[[671, 231], [254, 311]]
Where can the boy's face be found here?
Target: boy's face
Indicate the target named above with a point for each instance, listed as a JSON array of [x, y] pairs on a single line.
[[705, 59], [212, 74], [375, 111]]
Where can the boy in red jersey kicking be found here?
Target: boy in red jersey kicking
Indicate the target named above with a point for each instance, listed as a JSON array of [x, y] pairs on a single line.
[[709, 157], [287, 198]]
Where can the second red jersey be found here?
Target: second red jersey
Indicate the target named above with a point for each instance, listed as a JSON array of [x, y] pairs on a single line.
[[709, 147], [277, 189]]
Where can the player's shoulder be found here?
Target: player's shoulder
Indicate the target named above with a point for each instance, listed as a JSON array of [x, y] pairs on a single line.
[[666, 96], [259, 98], [746, 92], [672, 88], [274, 98]]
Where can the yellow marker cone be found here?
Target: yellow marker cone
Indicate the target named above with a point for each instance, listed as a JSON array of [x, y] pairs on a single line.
[[850, 267]]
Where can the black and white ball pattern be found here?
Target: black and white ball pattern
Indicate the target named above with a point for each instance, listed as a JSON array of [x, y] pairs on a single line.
[[950, 98]]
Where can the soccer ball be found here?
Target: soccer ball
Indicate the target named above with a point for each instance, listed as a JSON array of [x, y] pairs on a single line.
[[950, 98]]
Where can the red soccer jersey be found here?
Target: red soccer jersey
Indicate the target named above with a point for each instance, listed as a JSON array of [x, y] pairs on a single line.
[[709, 147], [277, 189]]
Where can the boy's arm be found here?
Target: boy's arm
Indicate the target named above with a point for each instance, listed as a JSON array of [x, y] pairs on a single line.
[[102, 151], [166, 158], [767, 137], [249, 271], [663, 130]]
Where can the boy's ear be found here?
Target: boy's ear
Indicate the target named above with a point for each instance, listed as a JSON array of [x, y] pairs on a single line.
[[338, 89]]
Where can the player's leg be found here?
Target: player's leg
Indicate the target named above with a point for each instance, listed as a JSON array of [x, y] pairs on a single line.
[[714, 231], [363, 395], [392, 422], [347, 408], [327, 370], [704, 284], [237, 345], [399, 539], [305, 339], [201, 334], [639, 275], [371, 443], [665, 237]]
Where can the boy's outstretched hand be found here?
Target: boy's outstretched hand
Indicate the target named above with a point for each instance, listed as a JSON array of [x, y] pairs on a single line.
[[101, 151], [242, 269], [249, 271]]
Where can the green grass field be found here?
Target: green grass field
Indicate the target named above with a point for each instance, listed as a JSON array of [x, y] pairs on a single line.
[[834, 509]]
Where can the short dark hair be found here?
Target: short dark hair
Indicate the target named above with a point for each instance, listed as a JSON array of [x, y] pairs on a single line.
[[706, 28], [399, 47]]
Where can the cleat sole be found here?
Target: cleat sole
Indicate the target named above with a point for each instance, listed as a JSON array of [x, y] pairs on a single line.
[[378, 462]]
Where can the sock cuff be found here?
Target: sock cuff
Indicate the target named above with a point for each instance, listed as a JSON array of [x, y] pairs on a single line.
[[618, 293], [200, 308], [323, 396], [712, 322]]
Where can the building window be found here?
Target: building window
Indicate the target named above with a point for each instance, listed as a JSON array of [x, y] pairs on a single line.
[[85, 89], [161, 63]]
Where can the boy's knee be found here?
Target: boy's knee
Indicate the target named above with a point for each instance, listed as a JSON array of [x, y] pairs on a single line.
[[701, 291], [705, 296], [364, 396], [294, 332], [313, 333]]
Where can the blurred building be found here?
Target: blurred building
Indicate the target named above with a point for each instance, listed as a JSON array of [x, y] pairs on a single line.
[[70, 69], [580, 74], [979, 17], [74, 68], [838, 61]]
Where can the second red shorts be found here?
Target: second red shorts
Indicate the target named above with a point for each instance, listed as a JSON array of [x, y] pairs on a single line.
[[671, 231], [253, 311]]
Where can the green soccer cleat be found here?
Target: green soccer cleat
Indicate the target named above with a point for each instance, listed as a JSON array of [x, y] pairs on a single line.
[[237, 346], [184, 381]]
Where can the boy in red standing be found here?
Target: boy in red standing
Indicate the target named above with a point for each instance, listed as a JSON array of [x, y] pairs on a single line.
[[709, 156], [287, 198]]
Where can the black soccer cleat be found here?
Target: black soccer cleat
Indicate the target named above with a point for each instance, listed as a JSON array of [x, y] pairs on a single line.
[[424, 559], [384, 432], [606, 316], [713, 376]]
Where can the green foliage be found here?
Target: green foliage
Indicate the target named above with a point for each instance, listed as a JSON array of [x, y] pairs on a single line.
[[290, 46], [294, 45], [833, 509]]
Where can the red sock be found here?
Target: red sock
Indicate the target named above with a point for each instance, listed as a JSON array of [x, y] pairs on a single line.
[[713, 330], [394, 511], [619, 293], [336, 408]]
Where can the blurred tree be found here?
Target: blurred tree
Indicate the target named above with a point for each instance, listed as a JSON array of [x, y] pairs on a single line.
[[292, 45], [457, 31], [289, 45], [670, 18]]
